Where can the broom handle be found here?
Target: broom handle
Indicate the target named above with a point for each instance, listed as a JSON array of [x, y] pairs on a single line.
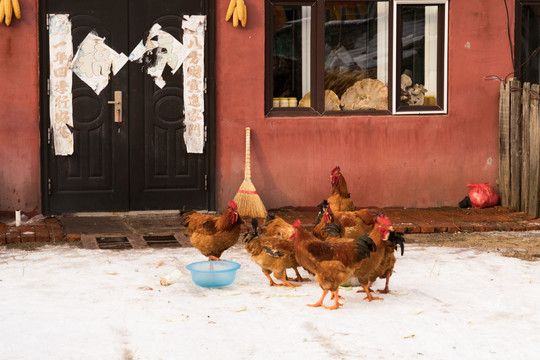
[[247, 172]]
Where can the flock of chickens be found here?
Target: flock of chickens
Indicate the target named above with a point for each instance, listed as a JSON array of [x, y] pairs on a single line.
[[345, 243]]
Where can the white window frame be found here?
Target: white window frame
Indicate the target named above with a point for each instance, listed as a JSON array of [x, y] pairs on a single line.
[[445, 56]]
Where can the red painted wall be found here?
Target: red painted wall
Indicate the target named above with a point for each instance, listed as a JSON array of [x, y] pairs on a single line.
[[409, 161], [19, 114]]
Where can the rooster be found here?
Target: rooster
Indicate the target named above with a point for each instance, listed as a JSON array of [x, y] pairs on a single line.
[[370, 269], [352, 224], [331, 263], [386, 268], [213, 234], [276, 226], [339, 199], [273, 254]]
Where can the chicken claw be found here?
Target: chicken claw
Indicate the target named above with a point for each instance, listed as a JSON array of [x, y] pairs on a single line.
[[319, 303], [272, 282], [337, 304], [385, 290], [286, 283], [368, 294]]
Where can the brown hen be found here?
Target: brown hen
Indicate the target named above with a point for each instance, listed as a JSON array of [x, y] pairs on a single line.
[[272, 253], [213, 234], [331, 263]]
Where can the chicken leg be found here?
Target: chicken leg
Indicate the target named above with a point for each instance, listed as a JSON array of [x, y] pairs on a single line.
[[368, 286], [385, 290], [337, 304], [299, 277], [319, 303], [272, 282], [368, 294], [286, 283]]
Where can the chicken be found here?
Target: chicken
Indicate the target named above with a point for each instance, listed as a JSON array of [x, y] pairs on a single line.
[[371, 268], [386, 268], [213, 234], [331, 263], [272, 254], [352, 224], [276, 226], [339, 199]]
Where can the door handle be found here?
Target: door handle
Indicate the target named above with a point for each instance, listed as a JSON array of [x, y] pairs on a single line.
[[117, 102]]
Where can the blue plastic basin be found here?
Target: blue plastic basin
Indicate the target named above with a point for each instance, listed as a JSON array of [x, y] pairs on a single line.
[[213, 274]]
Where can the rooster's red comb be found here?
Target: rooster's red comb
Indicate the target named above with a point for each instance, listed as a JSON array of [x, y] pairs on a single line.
[[383, 220], [336, 170], [297, 223], [232, 205]]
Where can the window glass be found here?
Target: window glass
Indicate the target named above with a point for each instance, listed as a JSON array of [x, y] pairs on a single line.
[[419, 41], [291, 63], [530, 39], [356, 56]]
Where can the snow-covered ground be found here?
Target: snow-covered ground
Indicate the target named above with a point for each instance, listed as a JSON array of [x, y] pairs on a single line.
[[60, 302]]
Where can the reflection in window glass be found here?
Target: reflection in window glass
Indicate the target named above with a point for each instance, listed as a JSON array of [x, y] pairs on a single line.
[[419, 55], [291, 56], [356, 56]]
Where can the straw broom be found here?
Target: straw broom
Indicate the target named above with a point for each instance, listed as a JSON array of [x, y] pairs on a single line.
[[247, 199]]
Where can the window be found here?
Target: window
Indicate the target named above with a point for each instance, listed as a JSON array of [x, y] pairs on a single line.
[[527, 41], [355, 57]]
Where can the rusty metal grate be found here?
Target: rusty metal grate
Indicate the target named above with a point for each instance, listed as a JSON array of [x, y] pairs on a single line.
[[159, 241], [114, 243]]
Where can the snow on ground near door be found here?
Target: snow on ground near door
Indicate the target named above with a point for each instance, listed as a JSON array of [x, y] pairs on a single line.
[[61, 302]]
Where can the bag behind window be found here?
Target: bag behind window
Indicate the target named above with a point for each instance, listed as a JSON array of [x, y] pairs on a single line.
[[482, 196]]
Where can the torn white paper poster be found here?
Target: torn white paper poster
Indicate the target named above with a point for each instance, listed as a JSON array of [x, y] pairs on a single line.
[[60, 83], [94, 60], [194, 87], [158, 50]]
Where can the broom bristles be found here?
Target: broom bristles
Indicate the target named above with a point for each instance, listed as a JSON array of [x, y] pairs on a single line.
[[248, 201]]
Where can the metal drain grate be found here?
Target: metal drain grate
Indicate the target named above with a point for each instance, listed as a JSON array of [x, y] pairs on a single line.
[[113, 243], [160, 241]]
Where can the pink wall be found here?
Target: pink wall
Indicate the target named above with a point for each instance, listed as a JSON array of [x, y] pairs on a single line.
[[409, 161], [388, 161], [19, 114]]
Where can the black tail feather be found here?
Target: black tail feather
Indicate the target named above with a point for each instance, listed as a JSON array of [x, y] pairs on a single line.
[[250, 235], [397, 238], [322, 208], [270, 217], [365, 246]]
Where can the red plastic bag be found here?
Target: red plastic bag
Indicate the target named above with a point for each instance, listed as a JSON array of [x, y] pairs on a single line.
[[482, 196]]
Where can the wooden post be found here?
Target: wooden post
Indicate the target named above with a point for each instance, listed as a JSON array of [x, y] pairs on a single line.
[[525, 147], [515, 144], [534, 151], [504, 144]]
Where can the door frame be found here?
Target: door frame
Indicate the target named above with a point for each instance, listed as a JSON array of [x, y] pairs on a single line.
[[210, 100]]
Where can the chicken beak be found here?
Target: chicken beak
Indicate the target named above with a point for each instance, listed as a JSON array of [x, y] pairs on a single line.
[[387, 233]]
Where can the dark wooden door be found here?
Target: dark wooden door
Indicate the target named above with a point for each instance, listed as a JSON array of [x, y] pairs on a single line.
[[143, 163]]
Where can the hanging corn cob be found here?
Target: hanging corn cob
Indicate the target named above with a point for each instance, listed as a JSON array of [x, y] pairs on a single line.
[[2, 11], [237, 11], [16, 8], [8, 9]]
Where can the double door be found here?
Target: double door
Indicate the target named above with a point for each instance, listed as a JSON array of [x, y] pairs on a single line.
[[139, 160]]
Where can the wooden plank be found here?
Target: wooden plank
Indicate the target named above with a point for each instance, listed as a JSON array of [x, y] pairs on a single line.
[[525, 146], [515, 144], [504, 144], [535, 151]]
